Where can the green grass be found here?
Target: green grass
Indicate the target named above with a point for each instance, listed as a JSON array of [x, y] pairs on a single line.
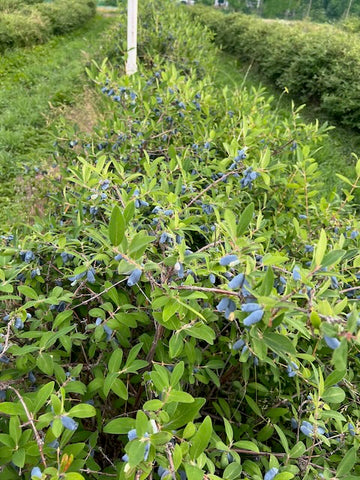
[[336, 154], [36, 82]]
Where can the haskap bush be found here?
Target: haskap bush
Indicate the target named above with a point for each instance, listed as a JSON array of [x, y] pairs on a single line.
[[317, 63], [27, 23], [188, 308]]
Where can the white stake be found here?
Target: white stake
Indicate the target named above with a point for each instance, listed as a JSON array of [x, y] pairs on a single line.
[[132, 36]]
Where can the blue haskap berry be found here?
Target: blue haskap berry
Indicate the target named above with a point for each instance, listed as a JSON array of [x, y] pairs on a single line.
[[105, 184], [31, 377], [222, 305], [4, 359], [250, 307], [181, 105], [320, 430], [293, 146], [208, 209], [134, 277], [2, 395], [6, 318], [294, 424], [125, 458], [291, 369], [212, 278], [98, 321], [241, 155], [334, 282], [332, 342], [309, 248], [270, 474], [19, 324], [147, 451], [302, 216], [35, 273], [69, 423], [54, 444], [354, 234], [253, 318], [351, 429], [118, 257], [90, 275], [165, 238], [156, 210], [28, 256], [296, 274], [159, 100], [237, 281], [132, 435], [238, 344], [228, 260], [169, 212], [108, 332], [77, 277], [207, 145], [307, 429], [179, 269], [36, 472]]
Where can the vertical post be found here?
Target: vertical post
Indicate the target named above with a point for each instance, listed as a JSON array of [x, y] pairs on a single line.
[[132, 15], [348, 9]]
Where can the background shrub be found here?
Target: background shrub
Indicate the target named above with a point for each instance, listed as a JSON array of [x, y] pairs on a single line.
[[317, 63], [25, 24]]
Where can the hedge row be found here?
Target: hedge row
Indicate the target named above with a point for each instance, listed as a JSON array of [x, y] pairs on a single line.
[[30, 24], [318, 64]]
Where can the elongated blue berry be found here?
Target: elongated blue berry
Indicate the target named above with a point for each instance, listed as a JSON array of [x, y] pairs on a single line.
[[332, 342], [134, 277], [238, 344], [132, 435], [270, 474], [296, 274], [228, 259], [250, 307], [237, 281], [253, 318], [69, 423], [36, 472]]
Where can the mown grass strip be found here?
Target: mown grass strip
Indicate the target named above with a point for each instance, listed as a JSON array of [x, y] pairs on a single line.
[[36, 83]]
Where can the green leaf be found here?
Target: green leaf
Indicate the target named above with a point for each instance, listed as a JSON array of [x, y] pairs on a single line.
[[268, 283], [232, 471], [120, 426], [247, 445], [201, 439], [73, 476], [297, 450], [42, 395], [228, 430], [10, 408], [117, 226], [115, 360], [253, 405], [332, 258], [284, 476], [245, 219], [83, 410], [45, 363], [18, 457], [347, 462], [283, 438], [320, 248], [177, 374], [136, 452], [279, 344], [178, 396], [28, 292], [184, 414], [230, 221], [334, 377], [333, 395], [193, 473]]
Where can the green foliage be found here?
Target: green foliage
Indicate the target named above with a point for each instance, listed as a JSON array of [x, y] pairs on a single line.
[[191, 301], [23, 25], [316, 63]]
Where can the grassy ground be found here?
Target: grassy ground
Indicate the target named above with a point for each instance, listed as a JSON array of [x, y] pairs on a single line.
[[336, 153], [36, 84]]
